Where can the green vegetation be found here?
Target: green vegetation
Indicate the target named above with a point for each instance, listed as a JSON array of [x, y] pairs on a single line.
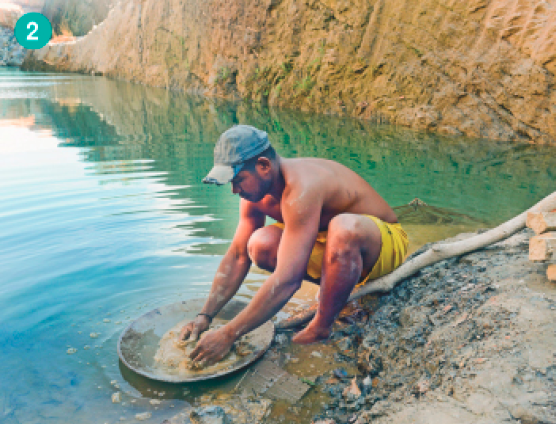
[[306, 84], [417, 51], [322, 48], [223, 74], [286, 67], [316, 63]]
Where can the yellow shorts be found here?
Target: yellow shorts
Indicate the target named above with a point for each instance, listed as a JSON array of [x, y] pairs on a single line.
[[392, 252]]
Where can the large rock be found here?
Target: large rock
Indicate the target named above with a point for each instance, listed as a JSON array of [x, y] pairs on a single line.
[[9, 14], [483, 68], [11, 52]]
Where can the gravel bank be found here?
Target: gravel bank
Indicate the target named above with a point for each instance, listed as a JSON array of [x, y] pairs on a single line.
[[468, 340]]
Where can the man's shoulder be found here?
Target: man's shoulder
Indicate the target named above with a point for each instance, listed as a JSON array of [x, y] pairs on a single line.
[[308, 172]]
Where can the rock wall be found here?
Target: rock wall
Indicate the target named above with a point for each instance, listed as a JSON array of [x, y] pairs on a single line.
[[9, 14], [483, 68], [11, 53]]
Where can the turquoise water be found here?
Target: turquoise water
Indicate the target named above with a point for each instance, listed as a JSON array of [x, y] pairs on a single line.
[[103, 217]]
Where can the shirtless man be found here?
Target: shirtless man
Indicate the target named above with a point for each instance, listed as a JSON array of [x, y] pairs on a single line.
[[332, 228]]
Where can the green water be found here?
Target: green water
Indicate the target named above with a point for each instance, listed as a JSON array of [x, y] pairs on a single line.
[[103, 217]]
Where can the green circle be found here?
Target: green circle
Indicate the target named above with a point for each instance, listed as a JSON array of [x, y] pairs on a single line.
[[33, 31]]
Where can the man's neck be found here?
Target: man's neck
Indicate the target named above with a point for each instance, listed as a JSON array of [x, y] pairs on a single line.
[[278, 182]]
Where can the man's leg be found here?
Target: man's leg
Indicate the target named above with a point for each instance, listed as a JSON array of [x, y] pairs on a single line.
[[352, 248], [263, 248]]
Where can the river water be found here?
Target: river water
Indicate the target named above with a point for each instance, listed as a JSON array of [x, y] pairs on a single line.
[[103, 217]]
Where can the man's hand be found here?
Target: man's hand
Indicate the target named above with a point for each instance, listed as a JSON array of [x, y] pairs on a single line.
[[213, 346], [193, 328]]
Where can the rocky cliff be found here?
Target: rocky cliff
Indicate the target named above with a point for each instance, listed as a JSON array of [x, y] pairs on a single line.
[[483, 68], [11, 53]]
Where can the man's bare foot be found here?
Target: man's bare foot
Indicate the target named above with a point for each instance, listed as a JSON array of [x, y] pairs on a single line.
[[311, 334]]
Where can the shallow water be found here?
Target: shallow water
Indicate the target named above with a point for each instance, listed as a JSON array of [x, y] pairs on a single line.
[[103, 217]]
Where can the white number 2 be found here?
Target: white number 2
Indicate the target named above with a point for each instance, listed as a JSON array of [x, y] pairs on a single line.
[[31, 37]]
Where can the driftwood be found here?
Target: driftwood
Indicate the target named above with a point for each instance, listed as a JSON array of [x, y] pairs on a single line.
[[436, 253]]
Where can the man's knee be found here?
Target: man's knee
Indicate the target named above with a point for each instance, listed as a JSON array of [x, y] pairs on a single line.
[[344, 229], [263, 247]]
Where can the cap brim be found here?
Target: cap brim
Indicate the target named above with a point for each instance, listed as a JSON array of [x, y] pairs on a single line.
[[222, 174]]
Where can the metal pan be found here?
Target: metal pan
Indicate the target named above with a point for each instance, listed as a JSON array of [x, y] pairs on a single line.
[[138, 343]]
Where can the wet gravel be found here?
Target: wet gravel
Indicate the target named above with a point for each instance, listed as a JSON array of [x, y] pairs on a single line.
[[429, 334]]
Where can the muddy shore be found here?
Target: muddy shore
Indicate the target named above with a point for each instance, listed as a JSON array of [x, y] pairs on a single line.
[[467, 340]]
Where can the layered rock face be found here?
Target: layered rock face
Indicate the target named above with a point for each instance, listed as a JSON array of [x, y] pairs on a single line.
[[9, 14], [11, 53], [483, 68]]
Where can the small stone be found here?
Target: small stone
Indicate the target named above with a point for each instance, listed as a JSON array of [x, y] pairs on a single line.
[[316, 354], [281, 338], [86, 347], [143, 416], [340, 373], [93, 335], [106, 320], [71, 351]]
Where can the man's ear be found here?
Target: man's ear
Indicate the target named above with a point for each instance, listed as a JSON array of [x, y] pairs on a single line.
[[263, 163]]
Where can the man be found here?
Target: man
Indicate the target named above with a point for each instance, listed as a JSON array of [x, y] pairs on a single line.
[[332, 228]]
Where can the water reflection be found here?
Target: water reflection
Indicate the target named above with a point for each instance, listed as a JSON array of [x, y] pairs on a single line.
[[121, 124]]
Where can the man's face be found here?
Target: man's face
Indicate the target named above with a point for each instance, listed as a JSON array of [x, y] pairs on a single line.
[[251, 185]]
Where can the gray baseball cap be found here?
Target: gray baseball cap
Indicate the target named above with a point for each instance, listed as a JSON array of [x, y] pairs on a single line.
[[233, 148]]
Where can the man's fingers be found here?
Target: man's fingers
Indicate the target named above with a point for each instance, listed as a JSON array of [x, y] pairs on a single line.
[[194, 334], [185, 333], [198, 349], [200, 357]]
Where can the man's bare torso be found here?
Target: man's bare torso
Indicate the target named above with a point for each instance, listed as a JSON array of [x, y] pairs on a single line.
[[342, 190]]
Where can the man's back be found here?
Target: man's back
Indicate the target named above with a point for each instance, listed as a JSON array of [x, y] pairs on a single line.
[[341, 191]]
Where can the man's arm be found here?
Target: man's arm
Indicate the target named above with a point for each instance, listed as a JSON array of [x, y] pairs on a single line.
[[232, 269], [301, 218]]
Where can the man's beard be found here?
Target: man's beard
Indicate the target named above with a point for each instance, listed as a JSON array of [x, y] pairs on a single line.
[[257, 197]]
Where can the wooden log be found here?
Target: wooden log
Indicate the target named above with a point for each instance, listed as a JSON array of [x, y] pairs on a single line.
[[542, 247], [551, 272], [541, 222]]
